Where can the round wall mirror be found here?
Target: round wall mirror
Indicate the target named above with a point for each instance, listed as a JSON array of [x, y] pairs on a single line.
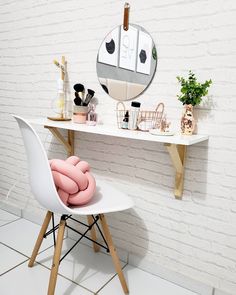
[[126, 62]]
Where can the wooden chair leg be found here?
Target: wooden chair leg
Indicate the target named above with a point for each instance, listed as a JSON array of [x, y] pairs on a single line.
[[93, 233], [40, 238], [56, 257], [113, 253]]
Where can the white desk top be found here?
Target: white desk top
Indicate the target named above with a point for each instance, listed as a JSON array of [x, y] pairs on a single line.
[[114, 131]]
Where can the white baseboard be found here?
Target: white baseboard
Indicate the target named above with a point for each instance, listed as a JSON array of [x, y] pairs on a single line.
[[11, 209], [169, 275], [219, 292]]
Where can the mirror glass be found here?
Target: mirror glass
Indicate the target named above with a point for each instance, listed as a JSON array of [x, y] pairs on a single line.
[[126, 62]]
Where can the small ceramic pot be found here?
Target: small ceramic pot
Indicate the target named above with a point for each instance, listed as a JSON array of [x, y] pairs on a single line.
[[80, 114]]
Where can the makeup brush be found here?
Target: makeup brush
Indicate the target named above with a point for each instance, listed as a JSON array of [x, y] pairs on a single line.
[[80, 89], [91, 92], [77, 99], [89, 96]]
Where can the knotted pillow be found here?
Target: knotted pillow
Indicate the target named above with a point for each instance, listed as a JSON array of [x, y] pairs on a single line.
[[75, 184]]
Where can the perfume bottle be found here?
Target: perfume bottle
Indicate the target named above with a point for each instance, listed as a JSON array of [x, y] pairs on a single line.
[[92, 116], [125, 121]]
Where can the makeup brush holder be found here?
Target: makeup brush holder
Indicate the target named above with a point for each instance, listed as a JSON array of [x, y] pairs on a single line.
[[80, 114]]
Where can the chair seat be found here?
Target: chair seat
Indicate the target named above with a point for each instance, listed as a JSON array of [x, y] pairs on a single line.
[[106, 199]]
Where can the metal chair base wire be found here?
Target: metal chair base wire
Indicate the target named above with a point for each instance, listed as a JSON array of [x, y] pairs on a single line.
[[82, 235]]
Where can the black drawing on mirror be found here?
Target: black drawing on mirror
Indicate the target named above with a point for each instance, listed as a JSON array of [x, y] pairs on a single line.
[[105, 88], [143, 56], [110, 46]]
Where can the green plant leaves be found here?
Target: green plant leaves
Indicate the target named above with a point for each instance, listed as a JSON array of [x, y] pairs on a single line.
[[192, 91]]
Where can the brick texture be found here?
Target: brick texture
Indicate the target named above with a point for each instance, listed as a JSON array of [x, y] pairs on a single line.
[[195, 236]]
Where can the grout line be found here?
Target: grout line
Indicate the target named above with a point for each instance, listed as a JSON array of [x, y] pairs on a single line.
[[36, 262], [90, 248], [15, 250], [13, 267], [10, 222], [61, 275], [26, 254], [110, 280]]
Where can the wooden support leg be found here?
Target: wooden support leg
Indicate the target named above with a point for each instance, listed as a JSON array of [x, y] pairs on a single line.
[[113, 253], [71, 140], [56, 257], [177, 154], [93, 233], [40, 238]]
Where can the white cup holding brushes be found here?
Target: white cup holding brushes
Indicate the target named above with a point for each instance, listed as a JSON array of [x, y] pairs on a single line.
[[81, 103]]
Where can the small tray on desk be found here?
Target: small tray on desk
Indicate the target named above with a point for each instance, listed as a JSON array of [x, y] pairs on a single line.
[[161, 133]]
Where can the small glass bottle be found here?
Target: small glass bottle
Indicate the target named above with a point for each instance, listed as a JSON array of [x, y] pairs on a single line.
[[133, 115], [125, 121], [92, 116]]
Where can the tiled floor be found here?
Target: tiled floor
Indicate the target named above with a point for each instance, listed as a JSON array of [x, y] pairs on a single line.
[[83, 272]]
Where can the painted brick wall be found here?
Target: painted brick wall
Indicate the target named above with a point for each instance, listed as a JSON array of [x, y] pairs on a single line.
[[195, 237]]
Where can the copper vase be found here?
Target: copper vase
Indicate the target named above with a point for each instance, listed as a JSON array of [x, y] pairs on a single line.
[[187, 120]]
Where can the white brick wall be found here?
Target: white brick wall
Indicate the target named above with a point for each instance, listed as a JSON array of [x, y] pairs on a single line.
[[195, 237]]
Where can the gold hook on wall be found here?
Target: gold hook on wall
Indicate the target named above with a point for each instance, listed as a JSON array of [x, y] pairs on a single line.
[[126, 16]]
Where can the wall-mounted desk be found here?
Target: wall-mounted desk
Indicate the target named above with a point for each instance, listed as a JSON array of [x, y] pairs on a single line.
[[176, 145]]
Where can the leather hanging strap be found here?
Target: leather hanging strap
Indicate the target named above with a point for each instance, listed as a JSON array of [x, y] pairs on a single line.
[[126, 16]]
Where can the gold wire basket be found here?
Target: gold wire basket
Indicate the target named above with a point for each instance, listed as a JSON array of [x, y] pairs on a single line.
[[146, 119]]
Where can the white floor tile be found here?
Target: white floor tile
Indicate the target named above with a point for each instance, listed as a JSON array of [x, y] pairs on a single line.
[[140, 282], [9, 258], [21, 235], [6, 217], [87, 268], [28, 281]]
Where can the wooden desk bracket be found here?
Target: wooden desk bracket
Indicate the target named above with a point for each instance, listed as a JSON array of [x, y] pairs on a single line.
[[68, 144], [178, 153]]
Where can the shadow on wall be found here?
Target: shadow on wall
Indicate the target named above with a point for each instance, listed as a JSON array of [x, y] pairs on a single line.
[[145, 172], [196, 172], [86, 264], [128, 230], [128, 225], [54, 149], [81, 264], [142, 169], [203, 113]]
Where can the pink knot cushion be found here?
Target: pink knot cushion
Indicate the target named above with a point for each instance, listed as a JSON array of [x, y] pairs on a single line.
[[75, 184]]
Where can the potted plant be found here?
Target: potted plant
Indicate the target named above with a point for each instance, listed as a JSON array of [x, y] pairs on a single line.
[[191, 95]]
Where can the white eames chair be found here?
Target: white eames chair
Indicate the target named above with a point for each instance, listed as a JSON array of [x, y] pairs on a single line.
[[107, 199]]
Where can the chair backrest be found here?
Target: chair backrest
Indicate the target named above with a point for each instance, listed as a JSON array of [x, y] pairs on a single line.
[[40, 175]]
